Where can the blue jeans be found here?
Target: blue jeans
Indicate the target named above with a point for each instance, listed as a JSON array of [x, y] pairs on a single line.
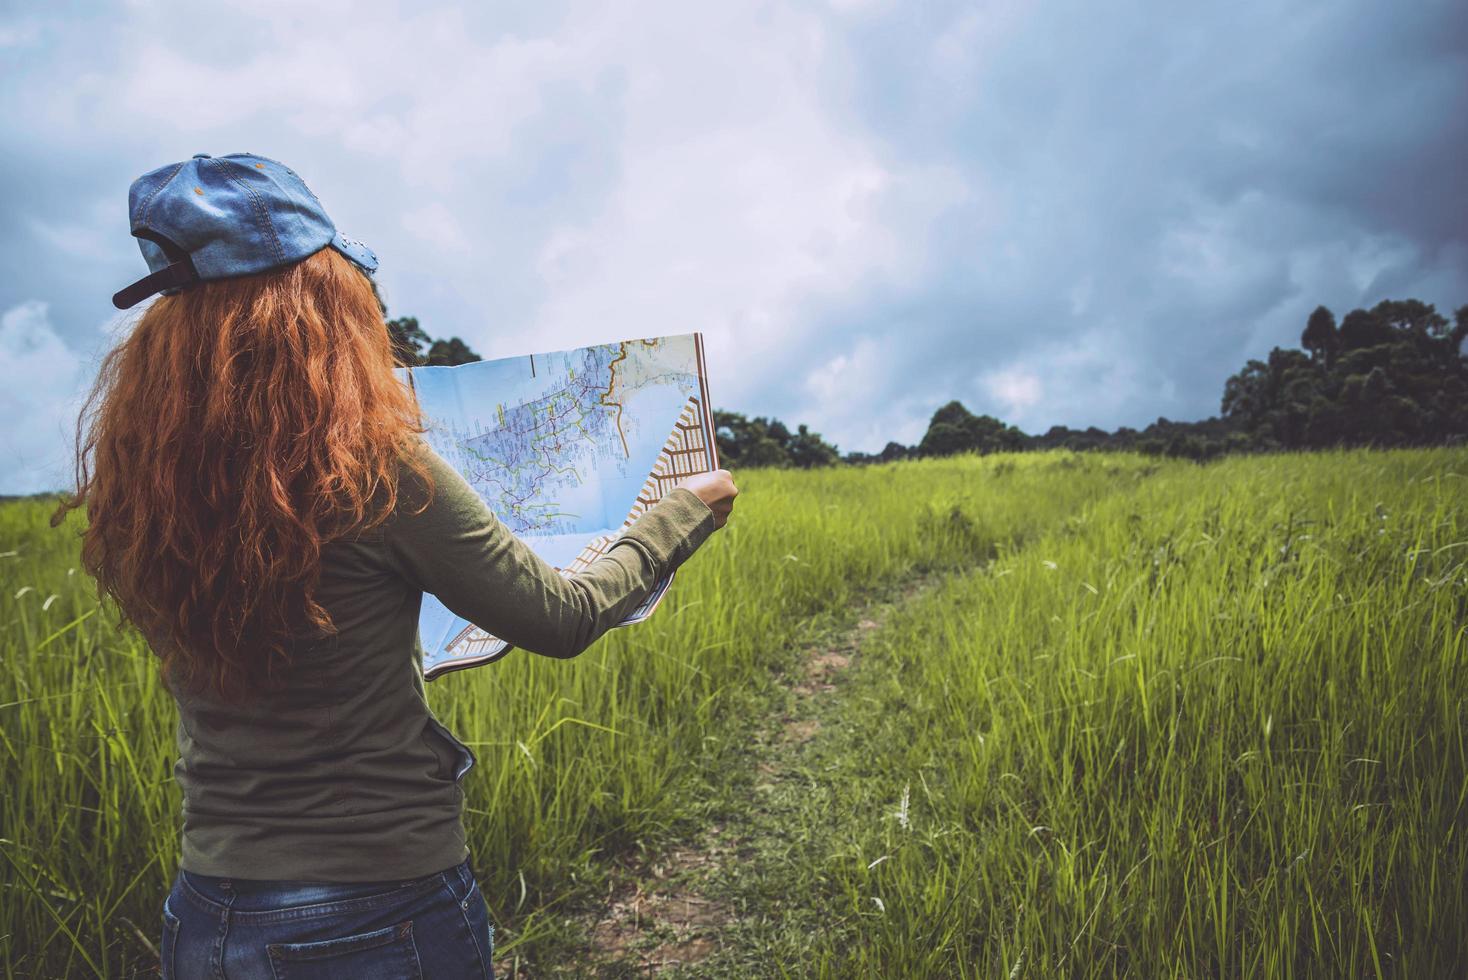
[[241, 929]]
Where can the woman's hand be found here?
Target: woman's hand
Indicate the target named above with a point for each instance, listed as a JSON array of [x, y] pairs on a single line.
[[716, 489]]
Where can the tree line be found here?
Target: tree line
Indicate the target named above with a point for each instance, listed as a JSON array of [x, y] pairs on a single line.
[[1393, 375]]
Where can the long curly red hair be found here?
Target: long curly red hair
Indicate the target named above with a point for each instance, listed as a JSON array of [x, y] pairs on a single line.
[[241, 424]]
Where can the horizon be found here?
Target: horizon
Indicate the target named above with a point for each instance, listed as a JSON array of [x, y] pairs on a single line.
[[1051, 216]]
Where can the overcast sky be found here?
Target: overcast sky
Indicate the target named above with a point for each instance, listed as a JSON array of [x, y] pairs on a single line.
[[1061, 212]]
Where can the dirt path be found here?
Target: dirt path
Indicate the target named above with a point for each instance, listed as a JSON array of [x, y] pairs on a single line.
[[663, 916]]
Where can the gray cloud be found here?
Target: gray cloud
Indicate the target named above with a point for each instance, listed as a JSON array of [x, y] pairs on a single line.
[[1166, 197], [1057, 213]]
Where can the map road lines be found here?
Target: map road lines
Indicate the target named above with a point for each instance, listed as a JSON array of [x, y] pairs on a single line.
[[560, 457]]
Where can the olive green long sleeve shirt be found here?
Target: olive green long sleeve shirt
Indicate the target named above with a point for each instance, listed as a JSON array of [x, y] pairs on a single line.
[[346, 775]]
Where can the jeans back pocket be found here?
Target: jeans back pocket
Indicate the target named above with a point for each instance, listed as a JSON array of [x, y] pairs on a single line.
[[383, 954]]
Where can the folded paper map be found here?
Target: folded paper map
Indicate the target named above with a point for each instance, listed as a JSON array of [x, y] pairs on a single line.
[[566, 448]]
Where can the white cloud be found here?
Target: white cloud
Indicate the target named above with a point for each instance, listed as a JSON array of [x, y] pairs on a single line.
[[856, 6], [21, 34], [39, 401], [1080, 295], [740, 199], [971, 38], [729, 198], [1016, 389], [437, 226], [850, 396], [77, 240], [1070, 381]]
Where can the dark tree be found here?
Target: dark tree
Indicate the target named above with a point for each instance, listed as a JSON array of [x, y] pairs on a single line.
[[1245, 394], [1397, 380], [945, 439], [808, 449], [410, 342], [1410, 317], [450, 352], [1362, 329], [1320, 337], [954, 429], [760, 441]]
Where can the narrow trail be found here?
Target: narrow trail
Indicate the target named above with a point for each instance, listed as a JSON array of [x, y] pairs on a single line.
[[680, 913]]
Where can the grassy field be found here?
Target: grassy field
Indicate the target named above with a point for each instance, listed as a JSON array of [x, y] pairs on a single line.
[[1153, 719]]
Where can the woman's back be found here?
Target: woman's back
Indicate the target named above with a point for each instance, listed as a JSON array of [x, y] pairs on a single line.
[[347, 759]]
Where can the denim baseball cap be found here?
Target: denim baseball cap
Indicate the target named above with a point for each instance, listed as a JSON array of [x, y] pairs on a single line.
[[219, 217]]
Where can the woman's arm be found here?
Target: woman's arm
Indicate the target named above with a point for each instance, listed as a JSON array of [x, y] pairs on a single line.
[[461, 552]]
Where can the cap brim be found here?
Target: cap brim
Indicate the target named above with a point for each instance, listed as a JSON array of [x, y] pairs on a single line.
[[356, 251]]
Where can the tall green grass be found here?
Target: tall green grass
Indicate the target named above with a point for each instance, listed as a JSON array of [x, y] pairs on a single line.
[[1211, 727], [576, 760]]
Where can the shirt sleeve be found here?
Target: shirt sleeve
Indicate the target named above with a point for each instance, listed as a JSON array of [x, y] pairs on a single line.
[[459, 551]]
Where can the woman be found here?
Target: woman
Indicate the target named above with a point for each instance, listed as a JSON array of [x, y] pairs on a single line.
[[260, 506]]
